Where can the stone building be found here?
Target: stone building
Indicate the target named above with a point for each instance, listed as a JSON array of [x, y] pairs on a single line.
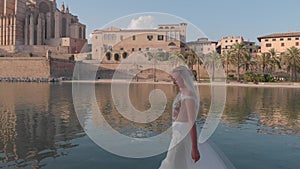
[[279, 41], [202, 46], [27, 24], [226, 43], [168, 37]]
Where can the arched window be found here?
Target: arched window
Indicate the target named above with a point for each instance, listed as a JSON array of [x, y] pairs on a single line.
[[64, 27], [124, 55], [117, 57], [108, 55]]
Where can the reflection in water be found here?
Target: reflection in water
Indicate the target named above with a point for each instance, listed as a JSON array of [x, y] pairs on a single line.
[[37, 122], [272, 110]]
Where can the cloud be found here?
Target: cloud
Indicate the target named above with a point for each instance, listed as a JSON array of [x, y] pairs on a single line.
[[143, 22]]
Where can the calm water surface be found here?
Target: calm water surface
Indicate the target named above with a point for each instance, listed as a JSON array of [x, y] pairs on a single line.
[[39, 128]]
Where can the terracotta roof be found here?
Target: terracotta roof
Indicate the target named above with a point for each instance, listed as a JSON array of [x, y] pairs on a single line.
[[280, 35]]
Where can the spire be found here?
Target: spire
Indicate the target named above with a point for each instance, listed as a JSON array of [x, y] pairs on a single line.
[[63, 7], [67, 9]]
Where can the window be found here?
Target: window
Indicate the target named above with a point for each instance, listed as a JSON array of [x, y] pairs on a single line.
[[117, 57], [282, 44], [124, 55], [121, 48], [226, 41], [268, 45], [150, 37], [132, 49], [140, 49], [297, 43], [266, 40], [289, 38], [231, 41], [133, 37], [273, 40], [160, 37], [281, 39], [296, 38], [236, 41]]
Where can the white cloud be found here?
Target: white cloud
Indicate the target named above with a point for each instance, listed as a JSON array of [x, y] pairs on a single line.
[[143, 22]]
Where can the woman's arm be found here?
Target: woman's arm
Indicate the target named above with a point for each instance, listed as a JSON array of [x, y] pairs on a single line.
[[190, 107]]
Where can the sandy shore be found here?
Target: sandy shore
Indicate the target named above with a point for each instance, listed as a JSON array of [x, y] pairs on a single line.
[[231, 84]]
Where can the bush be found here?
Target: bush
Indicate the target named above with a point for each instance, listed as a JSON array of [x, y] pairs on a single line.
[[249, 77], [231, 77], [268, 78], [72, 58]]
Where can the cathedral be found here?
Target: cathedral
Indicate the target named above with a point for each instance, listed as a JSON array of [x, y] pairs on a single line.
[[34, 24]]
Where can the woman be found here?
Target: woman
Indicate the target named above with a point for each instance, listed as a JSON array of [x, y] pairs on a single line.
[[183, 151]]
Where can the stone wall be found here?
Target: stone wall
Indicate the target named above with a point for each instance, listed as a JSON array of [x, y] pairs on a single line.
[[36, 49], [35, 67], [24, 67], [61, 68]]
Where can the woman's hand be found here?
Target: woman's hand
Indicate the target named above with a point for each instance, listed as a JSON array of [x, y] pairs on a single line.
[[195, 154]]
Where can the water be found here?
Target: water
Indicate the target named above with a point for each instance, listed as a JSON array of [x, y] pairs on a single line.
[[39, 128]]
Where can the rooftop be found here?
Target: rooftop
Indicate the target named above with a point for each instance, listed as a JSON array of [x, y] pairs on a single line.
[[280, 35]]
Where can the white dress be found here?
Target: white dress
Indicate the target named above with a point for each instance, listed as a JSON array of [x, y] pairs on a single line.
[[179, 155]]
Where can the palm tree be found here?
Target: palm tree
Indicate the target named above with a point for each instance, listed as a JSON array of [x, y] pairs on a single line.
[[199, 63], [264, 61], [211, 63], [176, 59], [191, 58], [226, 60], [248, 62], [275, 59], [239, 52], [292, 60]]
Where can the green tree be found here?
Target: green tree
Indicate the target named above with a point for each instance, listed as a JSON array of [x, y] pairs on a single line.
[[264, 61], [239, 52], [226, 59], [211, 63], [274, 59], [248, 62], [292, 61]]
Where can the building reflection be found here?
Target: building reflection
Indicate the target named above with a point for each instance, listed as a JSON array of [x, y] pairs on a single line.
[[139, 97], [37, 122], [272, 110]]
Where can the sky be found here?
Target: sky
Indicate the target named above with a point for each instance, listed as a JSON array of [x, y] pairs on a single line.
[[215, 19]]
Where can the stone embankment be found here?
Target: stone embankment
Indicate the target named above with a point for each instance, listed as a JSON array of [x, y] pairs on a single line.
[[33, 80]]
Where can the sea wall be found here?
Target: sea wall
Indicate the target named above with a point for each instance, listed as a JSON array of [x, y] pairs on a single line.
[[35, 67]]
